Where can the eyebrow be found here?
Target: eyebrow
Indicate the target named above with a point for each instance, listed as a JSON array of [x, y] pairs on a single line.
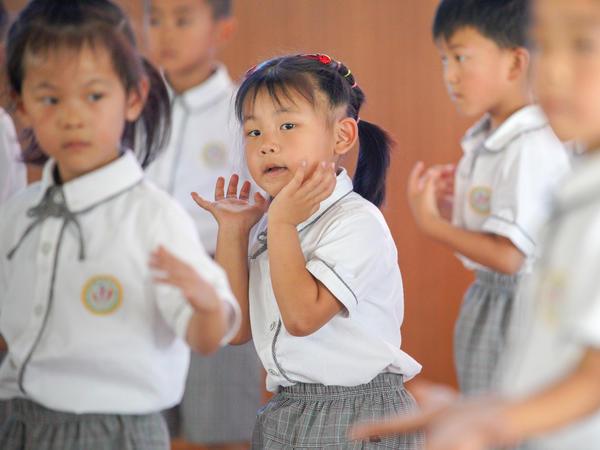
[[278, 111]]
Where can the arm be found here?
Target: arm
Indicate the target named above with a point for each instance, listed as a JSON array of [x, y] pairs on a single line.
[[210, 319], [483, 422], [235, 216], [305, 304], [495, 252]]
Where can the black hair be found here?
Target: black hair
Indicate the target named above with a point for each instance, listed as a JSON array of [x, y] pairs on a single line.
[[308, 75], [45, 25], [3, 20], [221, 8], [503, 21]]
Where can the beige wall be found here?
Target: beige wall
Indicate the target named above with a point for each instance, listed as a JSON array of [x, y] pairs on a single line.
[[387, 45]]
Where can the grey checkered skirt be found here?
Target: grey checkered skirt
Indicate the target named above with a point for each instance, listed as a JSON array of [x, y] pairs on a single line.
[[32, 427], [483, 327], [310, 416]]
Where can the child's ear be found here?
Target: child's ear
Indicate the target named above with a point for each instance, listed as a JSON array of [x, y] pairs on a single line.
[[520, 63], [346, 134], [226, 28], [136, 99]]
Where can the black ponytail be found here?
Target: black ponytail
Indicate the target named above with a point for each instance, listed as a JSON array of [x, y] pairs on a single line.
[[307, 73], [373, 162]]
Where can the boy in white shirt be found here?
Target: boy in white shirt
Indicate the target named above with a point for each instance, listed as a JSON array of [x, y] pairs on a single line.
[[223, 391]]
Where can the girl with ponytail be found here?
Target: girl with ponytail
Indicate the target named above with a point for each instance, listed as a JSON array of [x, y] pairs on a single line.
[[314, 267]]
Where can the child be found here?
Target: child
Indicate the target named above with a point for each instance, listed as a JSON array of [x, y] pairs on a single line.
[[13, 176], [223, 391], [553, 386], [95, 348], [320, 288], [512, 162]]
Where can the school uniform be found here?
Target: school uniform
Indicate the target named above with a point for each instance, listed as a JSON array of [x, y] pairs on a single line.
[[503, 186], [90, 335], [223, 391], [565, 293], [13, 174], [351, 369]]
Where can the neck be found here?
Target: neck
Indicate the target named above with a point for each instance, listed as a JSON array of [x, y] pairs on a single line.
[[509, 106], [183, 80]]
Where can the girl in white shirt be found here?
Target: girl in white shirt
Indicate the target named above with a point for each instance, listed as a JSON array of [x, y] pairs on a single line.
[[317, 278], [96, 347]]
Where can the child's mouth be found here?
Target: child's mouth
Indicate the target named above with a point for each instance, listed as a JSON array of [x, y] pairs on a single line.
[[275, 170]]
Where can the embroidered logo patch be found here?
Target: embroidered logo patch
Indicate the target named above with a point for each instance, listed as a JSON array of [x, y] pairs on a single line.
[[102, 294], [480, 199], [214, 154]]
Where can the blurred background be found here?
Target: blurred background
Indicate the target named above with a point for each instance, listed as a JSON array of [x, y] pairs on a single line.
[[387, 44]]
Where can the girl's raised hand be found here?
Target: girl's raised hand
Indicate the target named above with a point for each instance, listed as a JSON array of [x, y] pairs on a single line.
[[301, 197], [173, 271], [234, 208], [444, 189]]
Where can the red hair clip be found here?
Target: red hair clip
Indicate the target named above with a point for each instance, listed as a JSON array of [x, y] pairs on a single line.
[[322, 58]]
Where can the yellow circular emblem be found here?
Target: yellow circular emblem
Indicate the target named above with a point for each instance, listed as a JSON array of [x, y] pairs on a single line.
[[102, 294]]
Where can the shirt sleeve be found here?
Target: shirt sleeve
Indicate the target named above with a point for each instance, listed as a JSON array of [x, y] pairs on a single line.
[[349, 253], [523, 188], [178, 235], [13, 174]]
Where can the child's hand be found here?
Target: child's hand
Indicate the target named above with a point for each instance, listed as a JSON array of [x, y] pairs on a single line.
[[422, 195], [234, 209], [451, 424], [300, 198], [199, 293], [444, 189]]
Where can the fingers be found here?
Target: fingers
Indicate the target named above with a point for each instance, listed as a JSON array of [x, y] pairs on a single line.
[[232, 188], [321, 183], [404, 424], [245, 191], [220, 189], [202, 203], [415, 179]]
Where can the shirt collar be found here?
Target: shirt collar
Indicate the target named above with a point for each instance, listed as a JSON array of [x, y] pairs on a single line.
[[343, 186], [207, 92], [583, 184], [525, 119], [94, 187]]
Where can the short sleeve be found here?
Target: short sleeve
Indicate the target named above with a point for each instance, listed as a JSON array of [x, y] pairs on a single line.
[[523, 188], [13, 175], [176, 232], [348, 255]]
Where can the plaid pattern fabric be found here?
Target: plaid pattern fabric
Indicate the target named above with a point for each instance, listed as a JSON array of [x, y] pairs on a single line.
[[482, 329], [222, 394], [311, 416], [31, 426]]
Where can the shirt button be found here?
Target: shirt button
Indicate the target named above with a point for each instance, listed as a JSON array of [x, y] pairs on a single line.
[[39, 310], [46, 248], [273, 325], [273, 372]]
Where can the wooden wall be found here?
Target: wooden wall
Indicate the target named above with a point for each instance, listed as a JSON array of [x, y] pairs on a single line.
[[387, 45]]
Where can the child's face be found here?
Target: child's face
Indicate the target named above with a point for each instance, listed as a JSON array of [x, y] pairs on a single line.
[[77, 107], [476, 71], [278, 137], [566, 63], [183, 34]]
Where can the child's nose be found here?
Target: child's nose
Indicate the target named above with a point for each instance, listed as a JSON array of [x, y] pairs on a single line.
[[71, 118], [269, 147]]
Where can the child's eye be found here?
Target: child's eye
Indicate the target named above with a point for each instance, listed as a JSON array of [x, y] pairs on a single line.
[[154, 22], [253, 133], [444, 60], [95, 97], [460, 58], [288, 126], [584, 45], [182, 21], [48, 100]]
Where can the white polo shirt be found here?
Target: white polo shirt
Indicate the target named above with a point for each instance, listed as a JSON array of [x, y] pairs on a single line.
[[565, 292], [204, 144], [87, 328], [505, 180], [13, 174], [348, 247]]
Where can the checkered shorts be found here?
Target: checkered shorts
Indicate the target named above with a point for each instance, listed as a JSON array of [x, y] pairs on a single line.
[[31, 426], [311, 416], [484, 324]]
